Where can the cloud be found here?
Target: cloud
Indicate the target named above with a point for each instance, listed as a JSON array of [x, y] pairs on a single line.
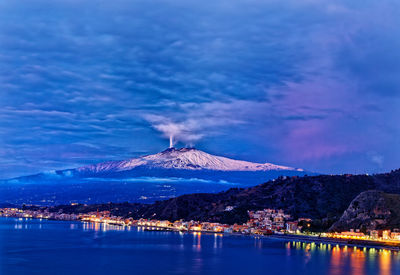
[[175, 132], [311, 84], [195, 121], [158, 180], [376, 158]]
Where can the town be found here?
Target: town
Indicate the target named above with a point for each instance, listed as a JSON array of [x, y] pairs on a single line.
[[261, 222]]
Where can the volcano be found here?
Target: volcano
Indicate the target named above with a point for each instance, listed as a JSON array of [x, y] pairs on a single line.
[[182, 159], [163, 175]]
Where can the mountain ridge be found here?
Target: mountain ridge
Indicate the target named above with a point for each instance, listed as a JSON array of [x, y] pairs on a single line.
[[323, 198], [182, 159], [167, 174]]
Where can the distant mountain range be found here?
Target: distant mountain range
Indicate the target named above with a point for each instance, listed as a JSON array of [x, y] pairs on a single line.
[[167, 174]]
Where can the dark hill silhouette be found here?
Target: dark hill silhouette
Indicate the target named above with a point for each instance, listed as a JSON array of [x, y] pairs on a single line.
[[322, 198], [371, 210]]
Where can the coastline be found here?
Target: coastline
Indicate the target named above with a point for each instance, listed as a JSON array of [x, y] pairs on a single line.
[[340, 242], [387, 245]]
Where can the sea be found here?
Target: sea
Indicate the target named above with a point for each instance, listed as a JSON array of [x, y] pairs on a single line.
[[31, 246]]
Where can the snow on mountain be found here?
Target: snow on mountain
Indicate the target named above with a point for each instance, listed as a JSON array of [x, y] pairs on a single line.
[[184, 158]]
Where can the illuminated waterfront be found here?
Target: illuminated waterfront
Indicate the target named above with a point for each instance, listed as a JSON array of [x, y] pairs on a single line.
[[56, 247], [269, 222]]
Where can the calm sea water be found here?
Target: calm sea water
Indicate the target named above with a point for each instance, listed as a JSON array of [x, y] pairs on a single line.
[[54, 247]]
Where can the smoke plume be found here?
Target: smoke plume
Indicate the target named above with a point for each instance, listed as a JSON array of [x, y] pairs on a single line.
[[184, 132]]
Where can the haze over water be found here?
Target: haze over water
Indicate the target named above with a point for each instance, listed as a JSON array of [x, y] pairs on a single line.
[[54, 247]]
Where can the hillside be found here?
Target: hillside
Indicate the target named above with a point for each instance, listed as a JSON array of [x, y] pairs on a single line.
[[323, 198], [371, 210]]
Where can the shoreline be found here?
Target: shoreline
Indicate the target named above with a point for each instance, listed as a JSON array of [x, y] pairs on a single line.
[[340, 242], [387, 245]]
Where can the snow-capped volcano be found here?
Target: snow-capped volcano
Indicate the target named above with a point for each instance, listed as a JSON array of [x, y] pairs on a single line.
[[167, 174], [184, 159]]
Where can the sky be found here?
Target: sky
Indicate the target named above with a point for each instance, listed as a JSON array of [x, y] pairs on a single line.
[[305, 83]]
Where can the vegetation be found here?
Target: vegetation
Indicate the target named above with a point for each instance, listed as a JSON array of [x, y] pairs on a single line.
[[322, 198]]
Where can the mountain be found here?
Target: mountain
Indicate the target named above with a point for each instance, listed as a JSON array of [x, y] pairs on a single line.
[[371, 210], [182, 159], [167, 174], [322, 198]]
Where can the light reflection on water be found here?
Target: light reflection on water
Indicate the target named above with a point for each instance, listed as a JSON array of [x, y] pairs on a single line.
[[356, 257], [201, 249], [104, 227], [197, 241]]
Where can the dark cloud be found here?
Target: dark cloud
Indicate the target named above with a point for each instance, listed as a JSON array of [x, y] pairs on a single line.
[[311, 84]]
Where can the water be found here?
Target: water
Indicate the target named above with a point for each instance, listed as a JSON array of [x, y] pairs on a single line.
[[55, 247]]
